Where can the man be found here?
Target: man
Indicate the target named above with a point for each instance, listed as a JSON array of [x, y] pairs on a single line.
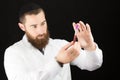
[[39, 57]]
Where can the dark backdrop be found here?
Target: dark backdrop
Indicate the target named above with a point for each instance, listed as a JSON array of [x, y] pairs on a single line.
[[102, 15]]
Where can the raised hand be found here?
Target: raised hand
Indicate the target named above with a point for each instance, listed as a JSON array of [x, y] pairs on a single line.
[[84, 36]]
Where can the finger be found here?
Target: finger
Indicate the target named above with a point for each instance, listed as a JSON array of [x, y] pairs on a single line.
[[74, 39], [88, 27], [72, 53], [68, 45], [82, 25], [77, 46], [75, 27], [78, 27], [74, 24]]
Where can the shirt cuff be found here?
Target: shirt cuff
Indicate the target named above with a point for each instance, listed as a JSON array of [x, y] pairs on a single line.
[[97, 48]]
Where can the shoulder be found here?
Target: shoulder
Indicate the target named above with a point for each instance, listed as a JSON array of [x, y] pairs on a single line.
[[14, 47], [58, 41]]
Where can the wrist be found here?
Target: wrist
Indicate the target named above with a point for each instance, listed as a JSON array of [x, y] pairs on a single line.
[[60, 63], [92, 47]]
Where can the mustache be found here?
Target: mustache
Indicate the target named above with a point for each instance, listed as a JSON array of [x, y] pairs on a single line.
[[41, 35]]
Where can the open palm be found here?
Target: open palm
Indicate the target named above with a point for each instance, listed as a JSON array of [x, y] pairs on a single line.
[[84, 35]]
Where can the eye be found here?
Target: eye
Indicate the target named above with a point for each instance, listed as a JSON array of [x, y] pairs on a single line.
[[34, 26], [43, 23]]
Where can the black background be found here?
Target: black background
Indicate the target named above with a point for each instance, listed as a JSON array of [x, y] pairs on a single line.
[[102, 15]]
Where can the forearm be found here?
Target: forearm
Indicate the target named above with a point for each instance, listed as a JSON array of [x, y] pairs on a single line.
[[89, 60]]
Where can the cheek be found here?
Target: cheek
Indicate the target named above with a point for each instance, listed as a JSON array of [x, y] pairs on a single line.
[[46, 29], [43, 30], [31, 34]]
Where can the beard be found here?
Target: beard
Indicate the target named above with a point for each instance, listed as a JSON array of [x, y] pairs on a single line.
[[39, 43]]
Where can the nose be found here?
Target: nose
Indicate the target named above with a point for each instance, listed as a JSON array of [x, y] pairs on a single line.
[[41, 30]]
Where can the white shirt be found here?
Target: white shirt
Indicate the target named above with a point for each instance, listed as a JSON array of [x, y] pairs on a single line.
[[22, 61]]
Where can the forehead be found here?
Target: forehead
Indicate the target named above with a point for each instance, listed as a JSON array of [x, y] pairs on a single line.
[[35, 17]]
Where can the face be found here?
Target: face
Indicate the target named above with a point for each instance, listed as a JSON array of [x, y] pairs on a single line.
[[36, 30]]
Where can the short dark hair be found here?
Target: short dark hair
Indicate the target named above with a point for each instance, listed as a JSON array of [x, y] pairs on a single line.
[[29, 8]]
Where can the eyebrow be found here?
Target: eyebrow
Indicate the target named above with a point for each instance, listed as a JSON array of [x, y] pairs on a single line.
[[33, 25], [43, 21]]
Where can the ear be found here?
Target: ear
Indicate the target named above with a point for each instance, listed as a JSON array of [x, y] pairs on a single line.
[[21, 26]]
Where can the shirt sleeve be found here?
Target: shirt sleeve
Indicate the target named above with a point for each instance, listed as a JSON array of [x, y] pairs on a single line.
[[15, 70], [89, 60]]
